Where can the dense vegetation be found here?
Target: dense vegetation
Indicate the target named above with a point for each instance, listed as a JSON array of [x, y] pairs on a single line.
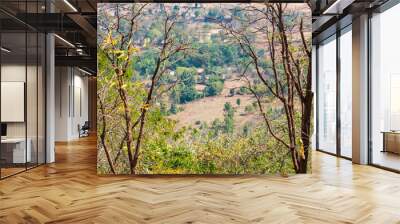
[[211, 57], [174, 59]]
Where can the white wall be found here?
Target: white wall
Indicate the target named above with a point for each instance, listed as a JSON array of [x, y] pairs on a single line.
[[12, 73], [17, 73], [33, 126], [71, 102], [360, 89], [62, 82], [50, 96], [81, 114]]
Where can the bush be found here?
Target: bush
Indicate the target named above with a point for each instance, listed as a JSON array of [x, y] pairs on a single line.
[[173, 109], [243, 90], [231, 92], [188, 94], [214, 86], [249, 108], [185, 91], [229, 123], [238, 101]]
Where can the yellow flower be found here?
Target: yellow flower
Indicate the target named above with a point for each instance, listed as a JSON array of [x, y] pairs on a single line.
[[146, 106]]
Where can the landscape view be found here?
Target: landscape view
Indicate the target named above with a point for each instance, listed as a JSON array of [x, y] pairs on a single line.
[[204, 88]]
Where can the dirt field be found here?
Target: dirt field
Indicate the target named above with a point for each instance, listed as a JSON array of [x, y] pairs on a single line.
[[209, 108]]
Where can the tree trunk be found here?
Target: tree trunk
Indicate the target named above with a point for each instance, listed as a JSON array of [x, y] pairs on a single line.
[[127, 115], [138, 142], [103, 138], [306, 130]]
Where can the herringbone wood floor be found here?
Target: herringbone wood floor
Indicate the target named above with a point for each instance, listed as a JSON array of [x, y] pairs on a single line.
[[69, 191]]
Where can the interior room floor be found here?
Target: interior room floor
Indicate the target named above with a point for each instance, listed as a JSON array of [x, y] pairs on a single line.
[[10, 171], [387, 159], [69, 191]]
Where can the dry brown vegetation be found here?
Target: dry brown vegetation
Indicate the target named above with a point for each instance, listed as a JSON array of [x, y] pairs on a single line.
[[210, 108]]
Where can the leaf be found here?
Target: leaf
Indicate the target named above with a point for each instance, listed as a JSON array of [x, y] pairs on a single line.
[[132, 49], [119, 52], [114, 42], [108, 39], [146, 106], [123, 57]]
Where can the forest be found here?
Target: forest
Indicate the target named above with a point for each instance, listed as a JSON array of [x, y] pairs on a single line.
[[204, 88]]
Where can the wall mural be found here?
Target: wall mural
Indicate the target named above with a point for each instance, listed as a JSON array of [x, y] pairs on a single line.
[[204, 88]]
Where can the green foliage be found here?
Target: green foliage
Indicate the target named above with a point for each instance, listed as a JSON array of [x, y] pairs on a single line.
[[155, 32], [246, 129], [228, 109], [204, 150], [243, 90], [185, 91], [212, 54], [187, 75], [218, 147], [214, 14], [197, 13], [145, 63], [173, 109], [217, 126], [163, 108], [169, 153], [214, 86], [238, 101], [188, 93], [110, 107], [249, 108], [229, 112], [238, 12]]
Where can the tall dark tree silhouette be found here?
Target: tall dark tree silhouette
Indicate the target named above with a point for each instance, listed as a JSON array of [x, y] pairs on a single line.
[[287, 73]]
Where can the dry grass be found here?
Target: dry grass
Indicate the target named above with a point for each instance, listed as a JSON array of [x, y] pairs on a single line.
[[210, 108]]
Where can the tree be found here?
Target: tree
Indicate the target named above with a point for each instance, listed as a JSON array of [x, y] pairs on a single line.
[[238, 12], [232, 92], [187, 75], [117, 55], [249, 108], [214, 14], [187, 94], [288, 79], [173, 109], [214, 86], [216, 127], [145, 63], [238, 101], [246, 129], [229, 112], [197, 13], [176, 9], [228, 53], [186, 88], [155, 32], [228, 108], [244, 90], [118, 50]]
